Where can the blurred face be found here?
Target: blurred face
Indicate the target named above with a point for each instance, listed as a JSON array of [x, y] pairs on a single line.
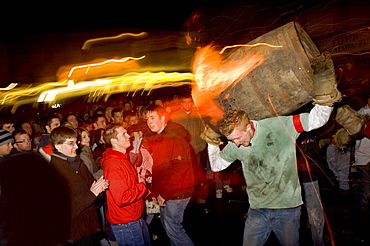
[[9, 127], [72, 119], [27, 127], [22, 142], [101, 123], [68, 148], [187, 104], [117, 118], [85, 139], [123, 140], [241, 137], [134, 120], [5, 149], [54, 124], [127, 107], [155, 122]]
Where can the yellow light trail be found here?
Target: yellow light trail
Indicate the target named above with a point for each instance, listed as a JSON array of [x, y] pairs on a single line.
[[102, 63], [249, 45], [8, 98], [9, 87], [90, 42]]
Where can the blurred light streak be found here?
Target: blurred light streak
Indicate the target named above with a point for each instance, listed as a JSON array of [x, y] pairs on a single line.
[[50, 95], [8, 98], [131, 82], [9, 87], [90, 42], [88, 66], [249, 45]]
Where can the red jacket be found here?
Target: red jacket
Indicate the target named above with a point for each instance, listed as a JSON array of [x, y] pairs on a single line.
[[125, 195], [173, 173]]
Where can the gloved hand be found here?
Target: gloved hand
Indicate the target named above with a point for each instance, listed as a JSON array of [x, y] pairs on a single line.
[[342, 138], [210, 136], [353, 122], [325, 91]]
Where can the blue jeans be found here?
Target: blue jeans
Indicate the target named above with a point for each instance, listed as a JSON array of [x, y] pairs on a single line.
[[132, 233], [171, 217], [314, 211], [339, 163], [260, 223]]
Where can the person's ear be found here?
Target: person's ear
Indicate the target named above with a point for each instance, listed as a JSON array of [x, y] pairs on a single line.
[[249, 127], [113, 141], [163, 118], [48, 129], [58, 147]]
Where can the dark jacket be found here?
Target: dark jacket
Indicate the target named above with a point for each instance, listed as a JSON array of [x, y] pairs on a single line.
[[173, 175], [84, 218]]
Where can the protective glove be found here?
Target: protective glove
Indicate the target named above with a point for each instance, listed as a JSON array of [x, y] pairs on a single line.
[[325, 91], [342, 138], [210, 136], [353, 122]]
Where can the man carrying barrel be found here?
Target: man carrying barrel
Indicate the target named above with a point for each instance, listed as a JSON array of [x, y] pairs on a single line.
[[266, 149]]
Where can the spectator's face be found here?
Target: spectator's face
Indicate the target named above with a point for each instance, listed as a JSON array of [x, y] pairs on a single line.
[[101, 123], [155, 122], [134, 120], [127, 107], [72, 119], [123, 139], [85, 139], [54, 124], [22, 142], [9, 127], [117, 118], [68, 148], [27, 127], [5, 149], [187, 104]]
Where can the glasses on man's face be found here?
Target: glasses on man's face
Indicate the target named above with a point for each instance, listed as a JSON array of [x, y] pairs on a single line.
[[24, 141], [71, 143]]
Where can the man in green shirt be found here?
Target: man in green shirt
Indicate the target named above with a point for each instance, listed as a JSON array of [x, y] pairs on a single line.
[[266, 149]]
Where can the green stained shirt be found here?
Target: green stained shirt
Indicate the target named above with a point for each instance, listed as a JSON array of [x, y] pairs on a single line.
[[269, 164]]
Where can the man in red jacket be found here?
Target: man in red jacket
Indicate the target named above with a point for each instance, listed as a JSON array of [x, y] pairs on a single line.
[[172, 172], [126, 190]]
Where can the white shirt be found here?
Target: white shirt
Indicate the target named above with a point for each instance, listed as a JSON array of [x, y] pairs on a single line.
[[362, 151]]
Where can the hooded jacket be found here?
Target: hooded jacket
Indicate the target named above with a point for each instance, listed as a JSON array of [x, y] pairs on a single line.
[[125, 194]]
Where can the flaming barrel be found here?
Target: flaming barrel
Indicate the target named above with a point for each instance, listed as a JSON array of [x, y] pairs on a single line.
[[285, 76]]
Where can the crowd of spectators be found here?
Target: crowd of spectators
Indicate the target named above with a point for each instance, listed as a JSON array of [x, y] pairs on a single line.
[[155, 129]]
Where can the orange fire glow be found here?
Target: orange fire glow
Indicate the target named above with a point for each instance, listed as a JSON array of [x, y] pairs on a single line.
[[213, 74]]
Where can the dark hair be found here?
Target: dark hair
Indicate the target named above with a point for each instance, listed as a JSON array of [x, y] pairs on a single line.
[[48, 120], [60, 134], [96, 117], [115, 110], [161, 111], [19, 132]]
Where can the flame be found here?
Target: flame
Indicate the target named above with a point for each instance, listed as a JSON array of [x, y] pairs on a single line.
[[213, 74]]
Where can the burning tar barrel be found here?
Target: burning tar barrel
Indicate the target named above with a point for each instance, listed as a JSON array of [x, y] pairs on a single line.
[[285, 75]]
